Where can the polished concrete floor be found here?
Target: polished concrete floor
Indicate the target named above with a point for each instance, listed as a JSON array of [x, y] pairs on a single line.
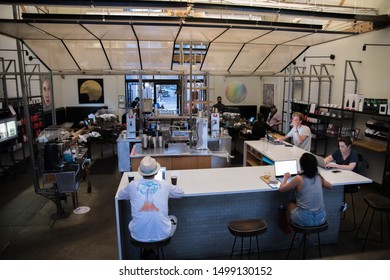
[[28, 230]]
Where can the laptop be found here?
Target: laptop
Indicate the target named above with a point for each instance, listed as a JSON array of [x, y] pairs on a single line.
[[285, 166], [321, 162], [161, 174], [273, 140]]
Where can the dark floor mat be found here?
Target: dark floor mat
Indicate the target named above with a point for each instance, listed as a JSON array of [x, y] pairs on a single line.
[[104, 166]]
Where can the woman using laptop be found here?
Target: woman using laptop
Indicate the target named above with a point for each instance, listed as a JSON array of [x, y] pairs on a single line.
[[344, 157], [309, 208]]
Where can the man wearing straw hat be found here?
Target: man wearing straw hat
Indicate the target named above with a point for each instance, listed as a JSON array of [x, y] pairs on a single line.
[[149, 204]]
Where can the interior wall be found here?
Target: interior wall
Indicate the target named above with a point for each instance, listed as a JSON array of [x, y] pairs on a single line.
[[371, 73], [66, 91], [219, 86]]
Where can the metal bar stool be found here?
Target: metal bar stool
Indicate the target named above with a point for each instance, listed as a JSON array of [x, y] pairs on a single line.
[[306, 231], [247, 228], [157, 245], [351, 189], [377, 203]]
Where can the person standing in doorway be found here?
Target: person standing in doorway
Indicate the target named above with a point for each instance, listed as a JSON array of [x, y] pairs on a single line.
[[274, 119]]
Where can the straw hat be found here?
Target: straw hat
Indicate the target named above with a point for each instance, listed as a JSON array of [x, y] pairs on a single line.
[[148, 167]]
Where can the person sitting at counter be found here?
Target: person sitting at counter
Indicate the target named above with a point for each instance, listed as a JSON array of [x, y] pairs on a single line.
[[300, 133], [309, 208], [259, 128], [149, 204], [344, 157]]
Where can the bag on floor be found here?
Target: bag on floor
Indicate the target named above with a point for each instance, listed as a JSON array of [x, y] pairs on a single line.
[[283, 223]]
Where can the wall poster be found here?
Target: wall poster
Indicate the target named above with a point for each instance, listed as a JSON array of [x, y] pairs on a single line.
[[268, 94], [91, 91]]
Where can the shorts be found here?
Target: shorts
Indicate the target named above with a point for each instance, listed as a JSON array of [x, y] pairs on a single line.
[[307, 218]]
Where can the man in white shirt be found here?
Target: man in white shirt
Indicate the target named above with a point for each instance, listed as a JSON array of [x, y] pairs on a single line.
[[300, 133], [149, 204]]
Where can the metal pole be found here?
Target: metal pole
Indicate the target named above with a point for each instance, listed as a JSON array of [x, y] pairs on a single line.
[[26, 108], [289, 94]]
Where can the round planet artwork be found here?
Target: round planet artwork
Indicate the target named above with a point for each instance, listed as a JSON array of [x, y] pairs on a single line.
[[91, 91], [235, 92]]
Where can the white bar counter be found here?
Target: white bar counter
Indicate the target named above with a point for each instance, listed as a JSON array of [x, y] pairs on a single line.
[[213, 197]]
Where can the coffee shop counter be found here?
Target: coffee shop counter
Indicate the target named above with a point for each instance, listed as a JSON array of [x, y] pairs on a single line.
[[176, 156], [213, 197]]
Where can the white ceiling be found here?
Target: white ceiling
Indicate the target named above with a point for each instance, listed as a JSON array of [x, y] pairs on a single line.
[[70, 39]]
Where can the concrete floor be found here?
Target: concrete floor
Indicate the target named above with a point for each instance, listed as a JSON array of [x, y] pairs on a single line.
[[27, 231]]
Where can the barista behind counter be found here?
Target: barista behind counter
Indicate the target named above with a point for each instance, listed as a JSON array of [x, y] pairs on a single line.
[[177, 156]]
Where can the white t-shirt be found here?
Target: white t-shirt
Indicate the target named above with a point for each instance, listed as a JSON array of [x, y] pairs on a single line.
[[149, 208], [302, 130]]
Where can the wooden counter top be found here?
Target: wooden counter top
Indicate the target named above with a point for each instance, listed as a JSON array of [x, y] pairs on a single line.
[[370, 145]]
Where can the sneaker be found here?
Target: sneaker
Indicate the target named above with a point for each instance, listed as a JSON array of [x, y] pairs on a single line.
[[343, 207]]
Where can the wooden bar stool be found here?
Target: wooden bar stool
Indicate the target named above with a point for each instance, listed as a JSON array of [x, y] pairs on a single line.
[[247, 228], [158, 246], [306, 231], [377, 203]]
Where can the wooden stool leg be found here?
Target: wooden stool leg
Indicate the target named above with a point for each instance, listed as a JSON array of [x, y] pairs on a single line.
[[234, 244], [292, 243], [162, 253], [304, 246], [353, 212], [364, 217], [242, 245], [319, 243], [250, 245], [258, 248], [388, 222], [369, 227]]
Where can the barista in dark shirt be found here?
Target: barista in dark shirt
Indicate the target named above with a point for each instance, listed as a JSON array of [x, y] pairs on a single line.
[[260, 128], [219, 105], [135, 103]]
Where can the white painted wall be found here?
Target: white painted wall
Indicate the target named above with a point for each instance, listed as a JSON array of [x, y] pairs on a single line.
[[66, 91]]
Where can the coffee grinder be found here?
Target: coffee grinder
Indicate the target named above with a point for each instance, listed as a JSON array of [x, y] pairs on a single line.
[[214, 124]]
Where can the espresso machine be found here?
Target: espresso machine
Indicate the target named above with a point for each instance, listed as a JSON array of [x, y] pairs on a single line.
[[214, 124], [131, 124]]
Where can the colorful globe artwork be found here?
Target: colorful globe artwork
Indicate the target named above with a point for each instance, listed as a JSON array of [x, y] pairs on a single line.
[[235, 92]]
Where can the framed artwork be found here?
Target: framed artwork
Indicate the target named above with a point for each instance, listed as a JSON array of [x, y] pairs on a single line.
[[268, 94], [355, 133], [121, 101], [46, 92], [91, 91]]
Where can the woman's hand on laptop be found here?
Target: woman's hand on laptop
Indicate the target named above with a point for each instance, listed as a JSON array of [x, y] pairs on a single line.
[[331, 165], [286, 176]]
